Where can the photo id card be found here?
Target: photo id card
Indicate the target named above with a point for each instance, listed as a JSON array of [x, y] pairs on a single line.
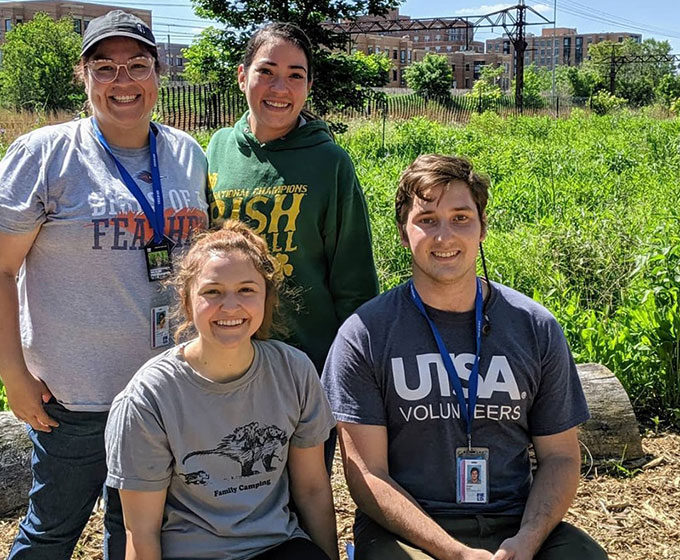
[[158, 259], [472, 475], [160, 326]]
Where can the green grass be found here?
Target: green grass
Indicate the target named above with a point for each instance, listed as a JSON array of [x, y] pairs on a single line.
[[583, 217]]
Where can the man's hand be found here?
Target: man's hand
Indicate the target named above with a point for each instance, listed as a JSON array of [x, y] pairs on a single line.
[[514, 548], [26, 395], [477, 554]]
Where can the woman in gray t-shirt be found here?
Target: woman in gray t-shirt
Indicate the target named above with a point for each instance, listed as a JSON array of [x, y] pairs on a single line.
[[211, 439], [75, 229]]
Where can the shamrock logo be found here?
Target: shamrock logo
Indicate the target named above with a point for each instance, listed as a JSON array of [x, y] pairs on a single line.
[[285, 266]]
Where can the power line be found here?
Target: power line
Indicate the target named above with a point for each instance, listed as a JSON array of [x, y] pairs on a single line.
[[575, 10], [620, 19], [188, 20], [173, 25]]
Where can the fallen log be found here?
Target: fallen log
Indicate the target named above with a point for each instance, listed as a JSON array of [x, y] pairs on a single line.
[[15, 464], [612, 433]]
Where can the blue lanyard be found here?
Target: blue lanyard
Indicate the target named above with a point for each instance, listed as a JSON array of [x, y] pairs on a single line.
[[467, 408], [156, 215]]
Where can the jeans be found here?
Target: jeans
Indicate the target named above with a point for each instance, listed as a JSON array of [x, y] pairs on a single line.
[[69, 470]]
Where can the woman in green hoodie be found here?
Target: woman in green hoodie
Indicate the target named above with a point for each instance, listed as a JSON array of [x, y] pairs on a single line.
[[284, 175]]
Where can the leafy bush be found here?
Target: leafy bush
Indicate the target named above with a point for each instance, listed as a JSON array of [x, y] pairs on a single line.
[[603, 102], [431, 77]]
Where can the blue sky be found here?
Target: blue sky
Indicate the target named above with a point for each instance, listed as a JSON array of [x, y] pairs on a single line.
[[657, 18]]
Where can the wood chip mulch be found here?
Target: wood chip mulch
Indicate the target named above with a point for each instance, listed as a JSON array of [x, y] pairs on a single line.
[[633, 512]]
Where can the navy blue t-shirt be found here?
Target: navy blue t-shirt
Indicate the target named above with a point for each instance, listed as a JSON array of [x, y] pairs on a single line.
[[384, 369]]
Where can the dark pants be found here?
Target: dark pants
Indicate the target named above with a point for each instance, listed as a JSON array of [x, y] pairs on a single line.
[[566, 542], [69, 470], [294, 549]]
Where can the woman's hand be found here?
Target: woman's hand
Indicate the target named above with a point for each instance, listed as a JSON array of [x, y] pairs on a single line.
[[26, 395]]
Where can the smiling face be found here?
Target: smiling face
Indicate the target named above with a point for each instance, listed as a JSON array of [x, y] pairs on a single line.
[[227, 301], [443, 234], [122, 107], [276, 85]]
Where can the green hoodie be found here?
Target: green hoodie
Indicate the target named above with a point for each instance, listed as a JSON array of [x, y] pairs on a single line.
[[301, 193]]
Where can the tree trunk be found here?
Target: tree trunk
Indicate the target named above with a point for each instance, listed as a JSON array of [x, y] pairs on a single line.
[[15, 464], [612, 431]]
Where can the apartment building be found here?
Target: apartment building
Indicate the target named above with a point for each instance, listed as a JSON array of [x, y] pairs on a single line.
[[563, 46], [170, 54], [465, 65], [15, 13], [458, 37], [404, 47]]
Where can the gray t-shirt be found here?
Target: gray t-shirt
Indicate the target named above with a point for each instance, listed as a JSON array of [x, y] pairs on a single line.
[[85, 298], [220, 449], [384, 369]]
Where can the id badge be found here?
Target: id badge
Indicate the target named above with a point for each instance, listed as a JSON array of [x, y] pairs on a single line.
[[158, 259], [472, 475], [160, 326]]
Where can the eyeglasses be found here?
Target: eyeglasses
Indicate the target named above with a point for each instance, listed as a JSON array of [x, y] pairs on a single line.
[[106, 71]]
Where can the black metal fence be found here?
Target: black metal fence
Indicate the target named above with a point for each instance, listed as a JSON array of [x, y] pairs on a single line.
[[207, 106], [204, 106]]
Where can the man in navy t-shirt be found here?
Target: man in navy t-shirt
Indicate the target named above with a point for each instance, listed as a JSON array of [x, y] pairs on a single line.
[[441, 385]]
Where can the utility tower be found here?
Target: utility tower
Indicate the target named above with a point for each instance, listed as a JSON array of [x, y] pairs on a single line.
[[517, 37], [617, 61], [513, 20]]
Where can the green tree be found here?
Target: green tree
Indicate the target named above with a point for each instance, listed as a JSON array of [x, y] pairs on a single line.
[[217, 53], [635, 81], [432, 77], [208, 61], [668, 89], [579, 81], [356, 75], [37, 65], [486, 90], [536, 82]]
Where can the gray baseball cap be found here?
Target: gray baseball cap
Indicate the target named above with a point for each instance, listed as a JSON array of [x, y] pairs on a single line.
[[117, 23]]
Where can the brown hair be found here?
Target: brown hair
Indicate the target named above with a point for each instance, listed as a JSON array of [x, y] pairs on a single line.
[[435, 170], [285, 31], [233, 236]]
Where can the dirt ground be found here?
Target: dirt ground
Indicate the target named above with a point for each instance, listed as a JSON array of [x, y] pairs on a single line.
[[634, 514]]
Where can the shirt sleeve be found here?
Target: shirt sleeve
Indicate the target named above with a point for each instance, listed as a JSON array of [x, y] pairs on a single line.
[[316, 419], [559, 403], [349, 377], [137, 452], [23, 190], [348, 246]]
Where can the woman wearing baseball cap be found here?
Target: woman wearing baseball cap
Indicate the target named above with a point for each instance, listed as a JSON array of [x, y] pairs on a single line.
[[92, 213]]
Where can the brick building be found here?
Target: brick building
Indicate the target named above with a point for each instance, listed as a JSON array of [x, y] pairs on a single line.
[[14, 13], [170, 54], [465, 55], [567, 47], [465, 65]]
